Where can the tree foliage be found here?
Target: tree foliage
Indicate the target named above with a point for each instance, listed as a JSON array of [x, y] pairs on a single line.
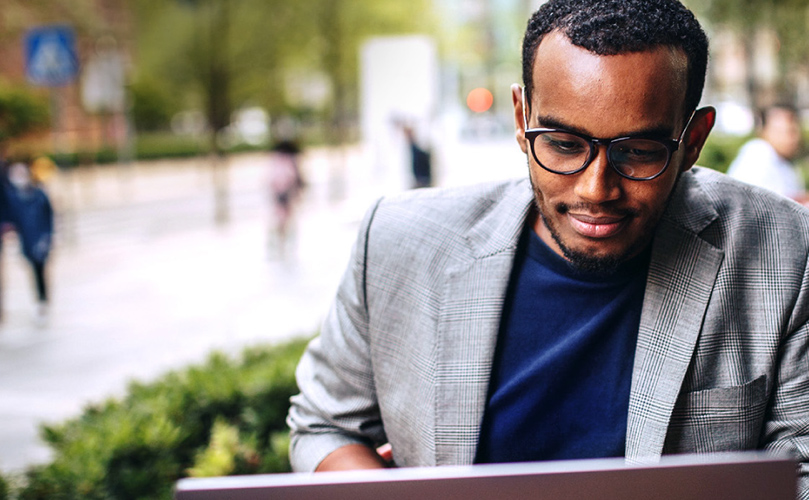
[[788, 20], [223, 54], [16, 16]]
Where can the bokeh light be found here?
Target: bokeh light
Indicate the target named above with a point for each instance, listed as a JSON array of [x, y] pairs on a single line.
[[479, 100]]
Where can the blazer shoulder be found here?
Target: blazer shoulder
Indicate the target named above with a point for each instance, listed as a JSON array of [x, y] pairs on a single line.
[[436, 226], [743, 216], [455, 210]]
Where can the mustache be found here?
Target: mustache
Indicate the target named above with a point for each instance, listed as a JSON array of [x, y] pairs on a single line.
[[590, 208]]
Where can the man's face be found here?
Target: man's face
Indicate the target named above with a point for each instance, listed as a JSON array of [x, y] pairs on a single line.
[[783, 131], [596, 218]]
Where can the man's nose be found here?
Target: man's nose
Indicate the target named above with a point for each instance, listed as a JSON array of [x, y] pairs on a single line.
[[599, 182]]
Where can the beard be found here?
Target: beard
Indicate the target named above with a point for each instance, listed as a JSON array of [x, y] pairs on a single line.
[[600, 265], [591, 264]]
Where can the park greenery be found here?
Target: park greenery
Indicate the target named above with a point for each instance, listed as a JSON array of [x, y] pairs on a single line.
[[21, 111], [301, 59], [298, 59], [223, 417], [787, 20], [24, 109]]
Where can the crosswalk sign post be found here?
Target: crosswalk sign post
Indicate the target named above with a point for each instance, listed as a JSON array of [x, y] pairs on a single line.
[[51, 60], [50, 56]]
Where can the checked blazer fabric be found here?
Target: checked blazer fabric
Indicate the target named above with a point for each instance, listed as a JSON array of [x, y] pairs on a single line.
[[406, 350]]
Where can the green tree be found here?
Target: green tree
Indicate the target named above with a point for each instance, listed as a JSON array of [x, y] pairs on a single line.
[[222, 54], [788, 20], [343, 25]]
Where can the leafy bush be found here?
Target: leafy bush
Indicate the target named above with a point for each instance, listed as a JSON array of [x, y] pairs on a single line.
[[21, 111], [149, 146], [720, 150], [3, 488], [224, 417]]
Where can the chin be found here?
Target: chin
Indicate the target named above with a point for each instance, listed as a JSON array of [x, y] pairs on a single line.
[[591, 263], [592, 258]]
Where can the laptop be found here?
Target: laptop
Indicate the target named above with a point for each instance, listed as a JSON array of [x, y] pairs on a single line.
[[724, 476]]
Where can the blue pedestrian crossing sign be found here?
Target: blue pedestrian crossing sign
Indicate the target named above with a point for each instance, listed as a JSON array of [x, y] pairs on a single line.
[[50, 55]]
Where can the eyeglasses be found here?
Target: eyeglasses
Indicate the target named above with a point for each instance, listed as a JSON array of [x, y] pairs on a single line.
[[564, 152]]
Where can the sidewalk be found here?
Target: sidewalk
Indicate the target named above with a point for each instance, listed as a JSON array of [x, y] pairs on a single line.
[[143, 281]]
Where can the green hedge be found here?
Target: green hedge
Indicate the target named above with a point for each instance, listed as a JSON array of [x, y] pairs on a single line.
[[148, 146], [720, 150], [224, 417], [22, 110]]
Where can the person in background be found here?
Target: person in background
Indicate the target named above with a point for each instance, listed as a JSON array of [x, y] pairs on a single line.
[[420, 159], [616, 302], [31, 215], [766, 161], [285, 186]]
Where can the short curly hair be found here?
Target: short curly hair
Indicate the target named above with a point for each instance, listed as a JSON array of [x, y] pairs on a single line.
[[609, 27]]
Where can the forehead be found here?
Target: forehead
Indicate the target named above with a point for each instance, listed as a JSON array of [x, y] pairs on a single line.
[[630, 91]]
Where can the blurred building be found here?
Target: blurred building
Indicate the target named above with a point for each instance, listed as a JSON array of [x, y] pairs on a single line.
[[81, 120]]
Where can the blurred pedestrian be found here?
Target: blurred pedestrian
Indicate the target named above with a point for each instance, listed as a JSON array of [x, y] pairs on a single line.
[[420, 159], [31, 214], [43, 169], [766, 160], [285, 185]]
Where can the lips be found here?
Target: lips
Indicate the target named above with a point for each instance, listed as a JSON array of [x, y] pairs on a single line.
[[598, 227]]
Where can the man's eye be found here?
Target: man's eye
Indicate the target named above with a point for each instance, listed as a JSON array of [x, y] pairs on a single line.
[[562, 144], [640, 153], [567, 146]]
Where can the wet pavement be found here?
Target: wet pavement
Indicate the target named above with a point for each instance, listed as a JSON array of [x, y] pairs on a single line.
[[143, 280]]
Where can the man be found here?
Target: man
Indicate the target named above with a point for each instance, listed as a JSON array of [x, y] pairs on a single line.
[[419, 160], [616, 303], [766, 161]]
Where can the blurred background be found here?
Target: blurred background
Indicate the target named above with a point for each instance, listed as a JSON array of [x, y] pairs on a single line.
[[208, 162]]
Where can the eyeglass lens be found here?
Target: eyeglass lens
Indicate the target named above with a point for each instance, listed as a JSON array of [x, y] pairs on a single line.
[[563, 153]]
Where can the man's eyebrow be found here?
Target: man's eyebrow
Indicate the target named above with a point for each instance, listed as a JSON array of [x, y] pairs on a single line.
[[655, 132]]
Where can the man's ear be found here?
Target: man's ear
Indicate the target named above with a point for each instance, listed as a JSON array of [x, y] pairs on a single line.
[[701, 125], [519, 121]]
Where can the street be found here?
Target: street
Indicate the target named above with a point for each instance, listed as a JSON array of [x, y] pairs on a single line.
[[143, 280]]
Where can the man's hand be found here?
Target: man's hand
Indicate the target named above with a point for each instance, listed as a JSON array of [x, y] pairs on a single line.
[[355, 456]]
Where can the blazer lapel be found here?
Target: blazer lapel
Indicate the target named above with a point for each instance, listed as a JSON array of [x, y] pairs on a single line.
[[681, 278], [469, 320]]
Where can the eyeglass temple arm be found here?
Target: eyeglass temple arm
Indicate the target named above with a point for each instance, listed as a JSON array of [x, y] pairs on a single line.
[[524, 118], [687, 124]]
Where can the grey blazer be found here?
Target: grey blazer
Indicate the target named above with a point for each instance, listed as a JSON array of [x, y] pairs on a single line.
[[405, 353]]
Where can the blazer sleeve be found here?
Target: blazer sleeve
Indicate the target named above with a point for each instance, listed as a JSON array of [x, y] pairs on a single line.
[[786, 429], [337, 403]]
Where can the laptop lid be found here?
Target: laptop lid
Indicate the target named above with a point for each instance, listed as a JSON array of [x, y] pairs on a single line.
[[726, 476]]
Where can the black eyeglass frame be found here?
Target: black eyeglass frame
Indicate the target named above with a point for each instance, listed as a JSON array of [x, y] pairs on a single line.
[[671, 146]]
